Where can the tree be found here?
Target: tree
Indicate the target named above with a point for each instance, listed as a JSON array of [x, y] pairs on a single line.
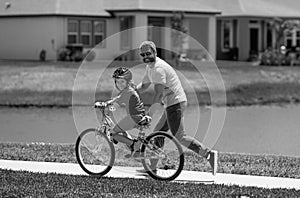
[[178, 33], [281, 27]]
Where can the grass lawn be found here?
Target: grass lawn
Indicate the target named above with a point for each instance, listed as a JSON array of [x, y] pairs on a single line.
[[52, 83], [25, 184]]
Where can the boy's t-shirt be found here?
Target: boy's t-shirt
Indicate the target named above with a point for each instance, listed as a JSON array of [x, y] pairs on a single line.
[[131, 99]]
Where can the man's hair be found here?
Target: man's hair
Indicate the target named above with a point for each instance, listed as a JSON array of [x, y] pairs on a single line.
[[148, 44]]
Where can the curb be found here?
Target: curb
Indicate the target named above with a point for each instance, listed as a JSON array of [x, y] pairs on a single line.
[[132, 172]]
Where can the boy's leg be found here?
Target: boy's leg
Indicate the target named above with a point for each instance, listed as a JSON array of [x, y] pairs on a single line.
[[119, 131]]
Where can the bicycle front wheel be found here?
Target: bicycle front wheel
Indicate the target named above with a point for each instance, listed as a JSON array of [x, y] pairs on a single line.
[[94, 152], [162, 156]]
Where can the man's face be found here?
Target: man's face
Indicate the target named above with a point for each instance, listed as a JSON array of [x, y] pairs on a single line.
[[147, 54]]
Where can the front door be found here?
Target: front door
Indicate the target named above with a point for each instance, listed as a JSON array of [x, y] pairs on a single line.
[[254, 41]]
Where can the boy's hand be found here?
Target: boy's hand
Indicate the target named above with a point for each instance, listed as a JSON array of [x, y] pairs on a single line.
[[100, 104]]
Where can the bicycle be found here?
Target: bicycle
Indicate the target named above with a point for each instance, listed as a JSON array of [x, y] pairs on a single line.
[[96, 154]]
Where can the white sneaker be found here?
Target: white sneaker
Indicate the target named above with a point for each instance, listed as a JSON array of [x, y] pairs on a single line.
[[213, 161], [109, 136]]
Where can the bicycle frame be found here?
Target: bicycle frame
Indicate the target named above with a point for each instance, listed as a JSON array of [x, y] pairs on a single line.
[[107, 122]]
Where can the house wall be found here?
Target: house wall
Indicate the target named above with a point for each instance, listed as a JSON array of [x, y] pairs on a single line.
[[112, 48], [199, 30], [220, 55], [244, 44], [25, 37]]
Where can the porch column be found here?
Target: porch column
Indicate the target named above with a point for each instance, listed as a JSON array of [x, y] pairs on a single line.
[[212, 37], [140, 32]]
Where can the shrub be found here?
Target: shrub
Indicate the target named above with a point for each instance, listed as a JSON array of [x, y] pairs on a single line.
[[273, 57], [63, 54]]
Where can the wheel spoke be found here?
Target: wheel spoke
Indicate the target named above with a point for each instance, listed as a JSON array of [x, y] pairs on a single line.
[[163, 156], [94, 153]]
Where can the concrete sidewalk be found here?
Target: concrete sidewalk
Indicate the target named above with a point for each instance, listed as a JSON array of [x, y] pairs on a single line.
[[131, 172]]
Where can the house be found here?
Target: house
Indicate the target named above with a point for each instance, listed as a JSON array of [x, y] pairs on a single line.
[[243, 27], [227, 29]]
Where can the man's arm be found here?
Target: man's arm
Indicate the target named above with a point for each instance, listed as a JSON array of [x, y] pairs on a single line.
[[143, 86]]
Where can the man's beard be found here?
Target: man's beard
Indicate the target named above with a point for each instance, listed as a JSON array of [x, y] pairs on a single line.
[[149, 60]]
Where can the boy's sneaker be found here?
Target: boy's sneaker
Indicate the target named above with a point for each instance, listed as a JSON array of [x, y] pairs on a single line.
[[115, 141], [135, 150], [213, 161], [133, 154]]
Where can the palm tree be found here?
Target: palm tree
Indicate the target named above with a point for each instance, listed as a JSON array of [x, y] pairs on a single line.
[[281, 27], [178, 34]]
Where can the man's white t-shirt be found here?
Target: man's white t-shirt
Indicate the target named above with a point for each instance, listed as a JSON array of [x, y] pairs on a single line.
[[163, 73]]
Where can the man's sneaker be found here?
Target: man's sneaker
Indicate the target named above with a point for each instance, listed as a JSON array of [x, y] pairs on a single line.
[[109, 136], [213, 161]]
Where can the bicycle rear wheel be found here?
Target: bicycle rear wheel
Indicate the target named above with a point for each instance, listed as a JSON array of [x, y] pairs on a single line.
[[94, 152], [162, 156]]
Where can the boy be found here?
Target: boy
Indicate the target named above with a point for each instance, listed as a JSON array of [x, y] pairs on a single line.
[[130, 98]]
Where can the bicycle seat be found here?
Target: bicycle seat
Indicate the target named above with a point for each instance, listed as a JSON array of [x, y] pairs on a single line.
[[145, 121]]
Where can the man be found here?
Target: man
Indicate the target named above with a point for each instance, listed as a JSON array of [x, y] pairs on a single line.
[[169, 91]]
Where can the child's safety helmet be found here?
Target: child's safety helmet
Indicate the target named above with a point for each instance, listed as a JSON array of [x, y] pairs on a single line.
[[123, 72]]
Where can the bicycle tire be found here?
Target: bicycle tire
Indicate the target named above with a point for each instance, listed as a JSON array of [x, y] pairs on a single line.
[[94, 152], [169, 158]]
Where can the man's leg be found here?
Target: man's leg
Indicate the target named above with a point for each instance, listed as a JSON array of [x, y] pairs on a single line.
[[175, 122]]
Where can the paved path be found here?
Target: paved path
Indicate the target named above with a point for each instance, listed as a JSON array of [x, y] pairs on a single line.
[[131, 172]]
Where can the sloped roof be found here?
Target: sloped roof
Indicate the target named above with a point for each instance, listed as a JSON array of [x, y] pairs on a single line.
[[52, 7], [104, 8], [195, 6], [258, 8]]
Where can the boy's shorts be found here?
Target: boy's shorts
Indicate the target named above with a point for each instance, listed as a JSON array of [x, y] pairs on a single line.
[[128, 123]]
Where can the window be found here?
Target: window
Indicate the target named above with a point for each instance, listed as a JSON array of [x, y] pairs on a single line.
[[227, 35], [99, 32], [73, 32], [87, 32], [288, 39], [125, 24], [297, 38], [292, 38]]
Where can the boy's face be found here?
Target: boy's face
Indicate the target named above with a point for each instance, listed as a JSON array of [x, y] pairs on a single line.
[[121, 83]]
